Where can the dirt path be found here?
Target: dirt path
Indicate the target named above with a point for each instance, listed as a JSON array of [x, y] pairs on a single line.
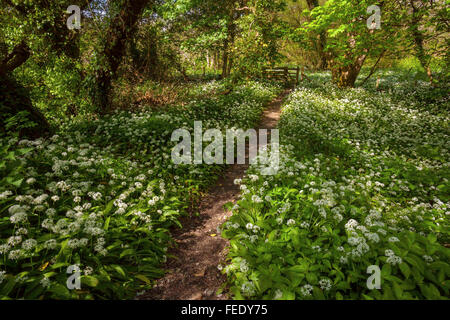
[[193, 275]]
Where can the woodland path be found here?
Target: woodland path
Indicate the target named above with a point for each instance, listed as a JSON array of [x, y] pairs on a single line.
[[193, 274]]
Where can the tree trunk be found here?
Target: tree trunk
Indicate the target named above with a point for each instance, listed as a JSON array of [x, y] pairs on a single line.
[[120, 31], [228, 43], [418, 39], [321, 43], [346, 76], [216, 60], [225, 59], [374, 68], [153, 66], [230, 65], [15, 59], [420, 52], [14, 98]]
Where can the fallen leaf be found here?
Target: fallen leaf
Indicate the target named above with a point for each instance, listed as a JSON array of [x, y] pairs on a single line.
[[200, 274], [45, 265], [197, 296]]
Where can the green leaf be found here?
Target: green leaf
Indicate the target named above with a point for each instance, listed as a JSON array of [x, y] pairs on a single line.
[[119, 270], [397, 290], [432, 238], [89, 281], [404, 268], [143, 278], [106, 226], [109, 207], [10, 156], [23, 151], [288, 295], [16, 183], [60, 291], [311, 277], [8, 287], [386, 270], [127, 252]]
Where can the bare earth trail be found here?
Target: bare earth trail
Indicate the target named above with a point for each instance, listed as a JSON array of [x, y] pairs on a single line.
[[193, 274]]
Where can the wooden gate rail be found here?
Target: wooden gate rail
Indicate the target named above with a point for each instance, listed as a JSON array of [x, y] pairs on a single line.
[[284, 73]]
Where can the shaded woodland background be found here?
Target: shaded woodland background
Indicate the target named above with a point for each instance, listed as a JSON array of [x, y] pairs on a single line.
[[133, 52]]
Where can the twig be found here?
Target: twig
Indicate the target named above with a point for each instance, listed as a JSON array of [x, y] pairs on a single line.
[[373, 68]]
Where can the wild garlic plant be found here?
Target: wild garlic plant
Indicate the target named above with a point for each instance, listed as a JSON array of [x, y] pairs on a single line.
[[363, 181], [103, 195]]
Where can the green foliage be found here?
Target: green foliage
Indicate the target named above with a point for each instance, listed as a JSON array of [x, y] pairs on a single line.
[[364, 176], [258, 43]]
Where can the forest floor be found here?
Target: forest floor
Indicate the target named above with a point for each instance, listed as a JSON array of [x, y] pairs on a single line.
[[193, 274]]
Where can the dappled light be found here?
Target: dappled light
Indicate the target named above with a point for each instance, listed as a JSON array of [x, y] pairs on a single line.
[[249, 150]]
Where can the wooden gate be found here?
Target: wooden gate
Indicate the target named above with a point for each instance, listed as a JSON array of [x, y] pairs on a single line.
[[288, 75]]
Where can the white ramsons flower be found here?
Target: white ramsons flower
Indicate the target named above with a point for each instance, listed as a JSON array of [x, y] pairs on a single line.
[[351, 224], [88, 271], [305, 225], [5, 194], [392, 258], [372, 236], [256, 199], [290, 222], [248, 288], [18, 214], [278, 294], [29, 244], [393, 239], [2, 276], [51, 244], [15, 254], [325, 284], [244, 266], [306, 290], [45, 282]]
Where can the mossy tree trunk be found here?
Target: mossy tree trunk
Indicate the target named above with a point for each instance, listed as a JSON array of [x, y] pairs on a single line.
[[14, 98], [120, 32], [419, 39]]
